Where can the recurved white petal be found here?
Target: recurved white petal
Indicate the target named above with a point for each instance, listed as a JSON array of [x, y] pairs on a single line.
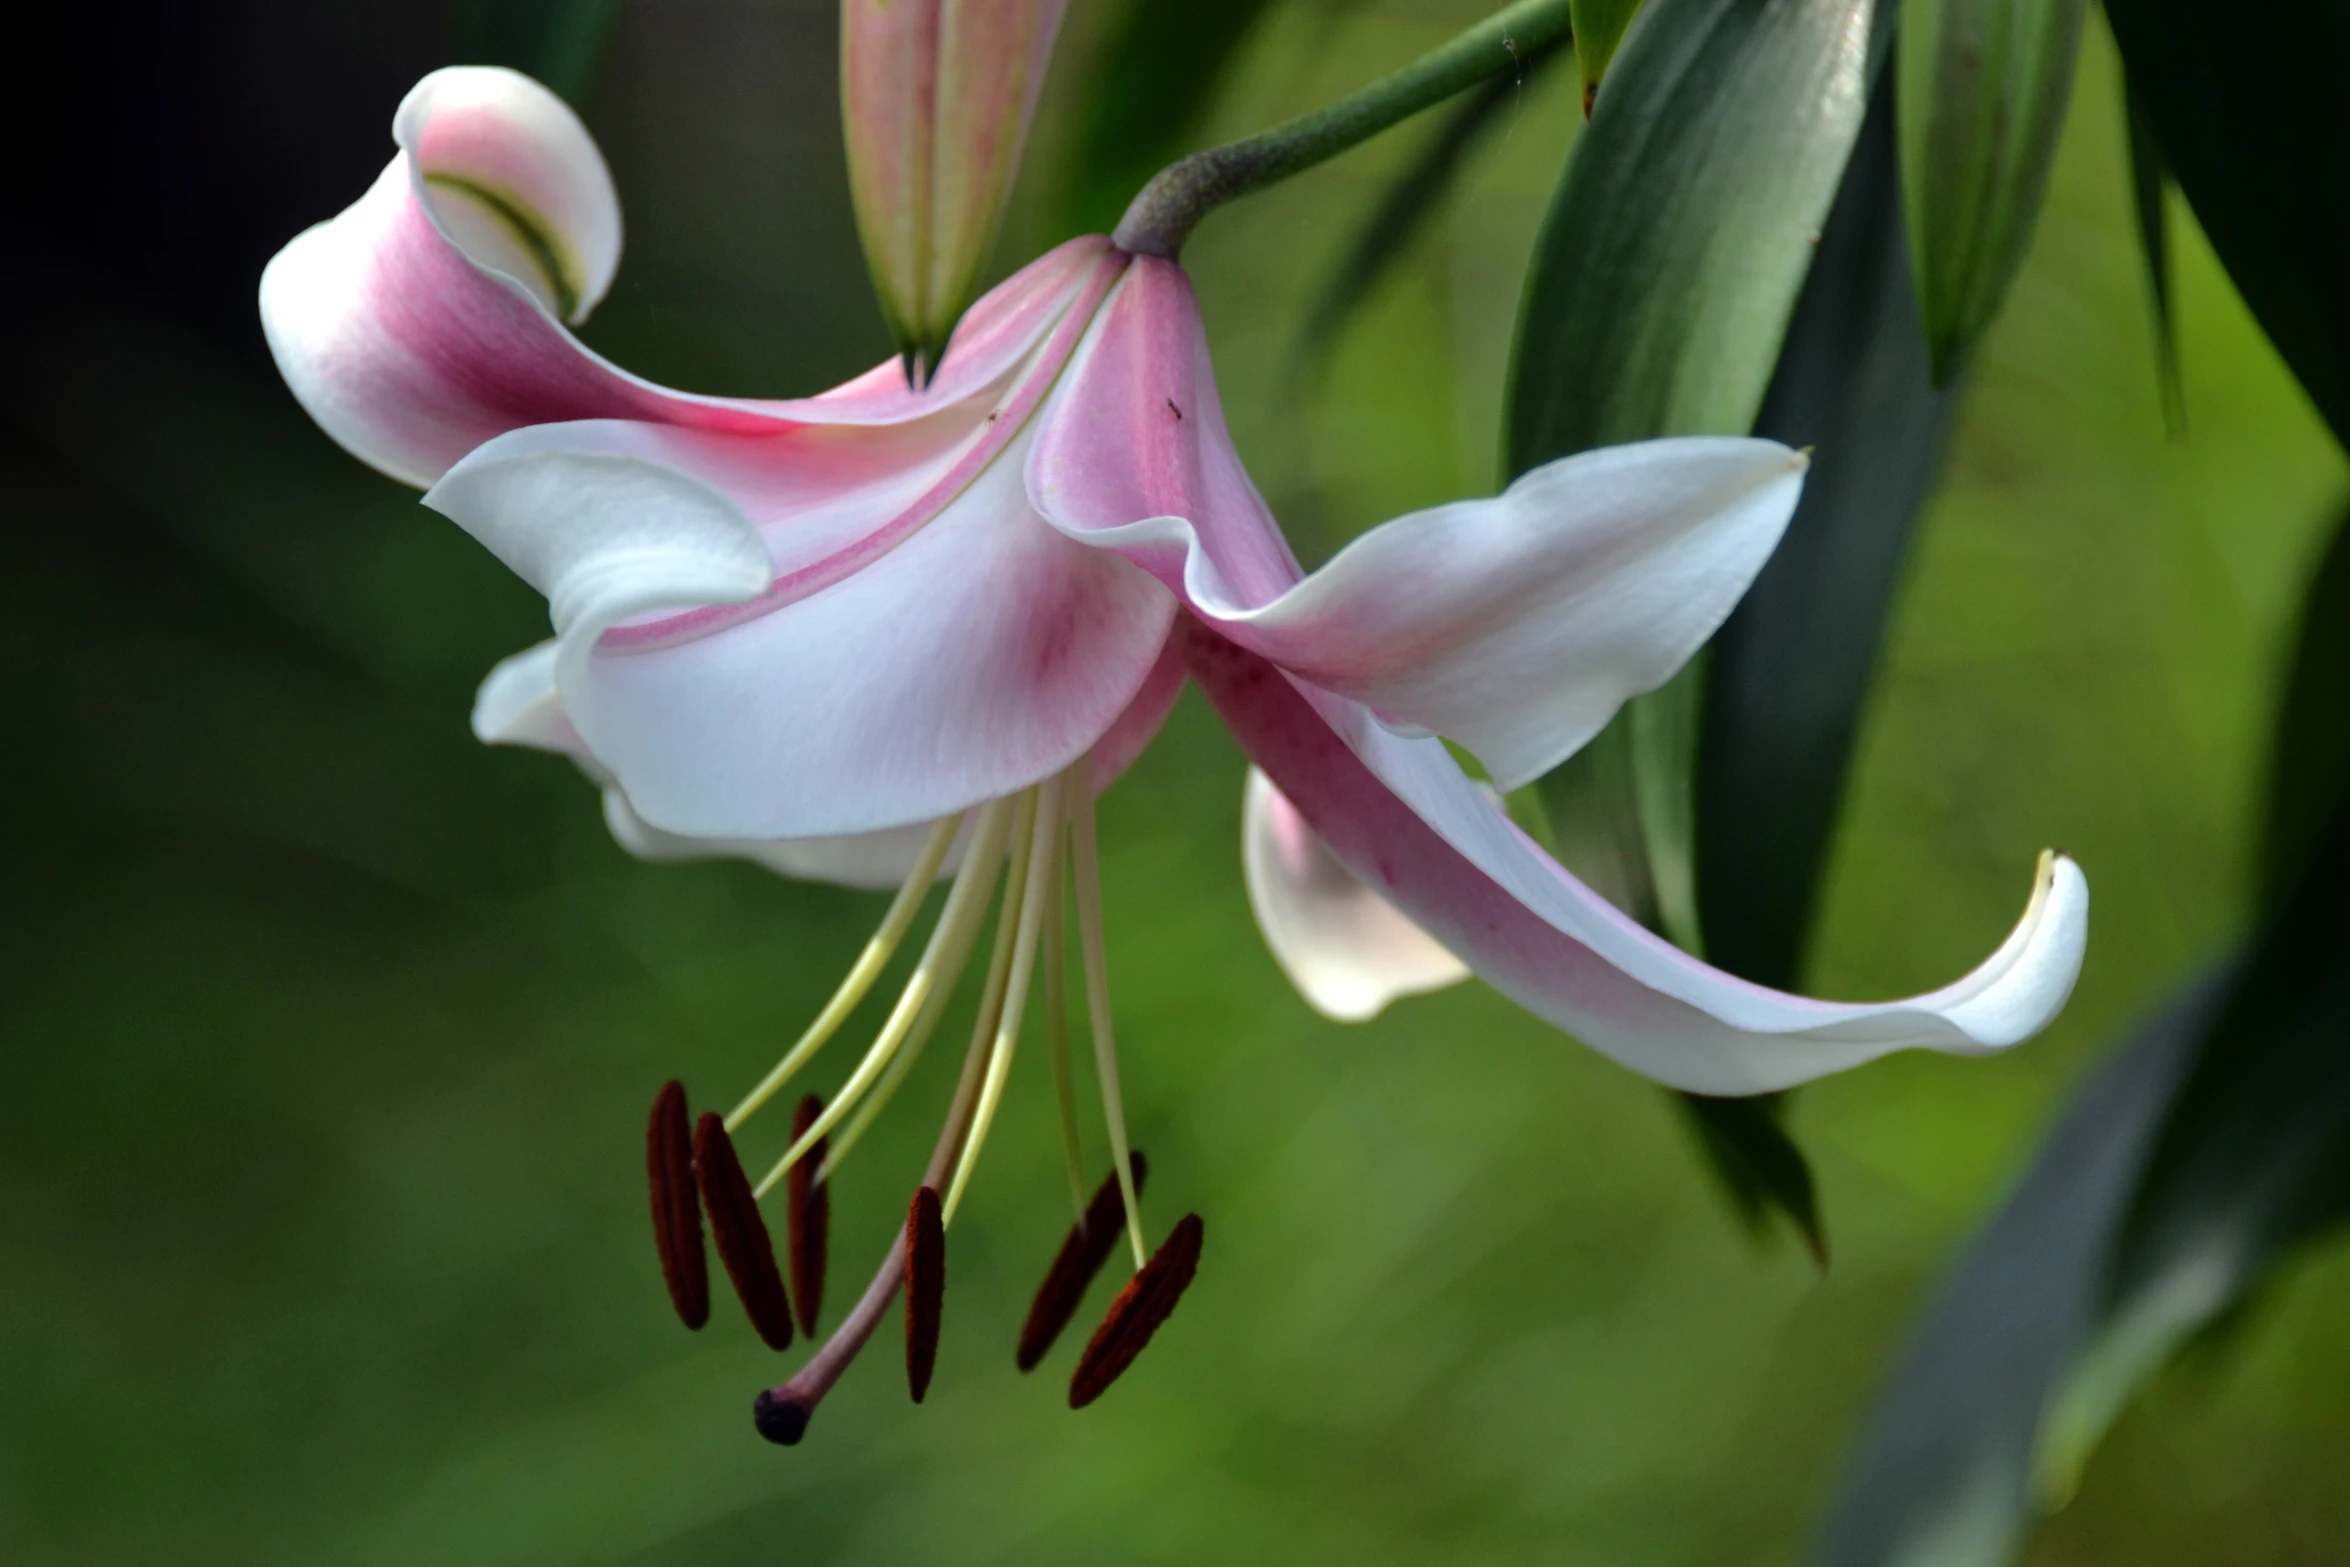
[[981, 653], [1515, 625], [1404, 818], [872, 861], [1348, 950]]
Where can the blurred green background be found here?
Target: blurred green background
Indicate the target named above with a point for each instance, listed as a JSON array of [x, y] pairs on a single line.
[[330, 1033]]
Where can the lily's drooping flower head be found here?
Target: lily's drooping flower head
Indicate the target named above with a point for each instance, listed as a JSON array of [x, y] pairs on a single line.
[[880, 636]]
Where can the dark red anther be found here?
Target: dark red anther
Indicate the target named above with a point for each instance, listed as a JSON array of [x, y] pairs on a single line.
[[743, 1243], [808, 1218], [926, 1288], [1081, 1257], [1148, 1300], [677, 1210]]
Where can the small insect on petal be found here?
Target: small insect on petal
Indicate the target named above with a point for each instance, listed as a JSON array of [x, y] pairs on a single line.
[[1148, 1300], [743, 1243], [677, 1207], [808, 1219], [1081, 1257], [926, 1288]]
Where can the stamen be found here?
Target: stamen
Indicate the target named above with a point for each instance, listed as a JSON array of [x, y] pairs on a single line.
[[677, 1209], [862, 973], [877, 1099], [941, 964], [1148, 1300], [743, 1244], [1086, 873], [926, 1288], [808, 1215], [1056, 1028], [1041, 815], [1081, 1257]]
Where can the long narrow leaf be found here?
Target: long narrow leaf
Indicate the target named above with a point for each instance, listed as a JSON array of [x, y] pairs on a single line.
[[1984, 84], [2254, 1159], [1943, 1473], [1672, 254], [2150, 185], [1599, 27], [1656, 304], [1791, 667], [2249, 114], [2198, 1159]]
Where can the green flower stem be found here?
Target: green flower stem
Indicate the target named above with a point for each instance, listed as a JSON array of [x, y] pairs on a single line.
[[1179, 195]]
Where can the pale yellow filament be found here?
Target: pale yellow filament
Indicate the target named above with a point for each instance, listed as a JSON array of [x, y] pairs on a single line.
[[1056, 1024], [1086, 873], [941, 964], [1035, 891], [862, 973]]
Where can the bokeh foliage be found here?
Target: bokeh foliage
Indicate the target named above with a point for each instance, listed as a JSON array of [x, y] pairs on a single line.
[[321, 1228]]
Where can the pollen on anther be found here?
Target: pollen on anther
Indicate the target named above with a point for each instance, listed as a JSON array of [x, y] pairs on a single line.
[[1148, 1300], [1081, 1256], [808, 1219], [743, 1242], [677, 1208], [926, 1287]]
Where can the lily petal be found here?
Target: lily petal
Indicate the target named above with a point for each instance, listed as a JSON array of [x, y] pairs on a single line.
[[1515, 626], [871, 861], [1348, 950], [1405, 819], [428, 317], [983, 653]]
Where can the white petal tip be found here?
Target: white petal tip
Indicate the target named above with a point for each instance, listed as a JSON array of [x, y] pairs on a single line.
[[1348, 951]]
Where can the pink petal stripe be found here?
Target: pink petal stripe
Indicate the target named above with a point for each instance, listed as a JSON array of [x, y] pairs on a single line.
[[1136, 431], [410, 352], [999, 430], [1458, 870]]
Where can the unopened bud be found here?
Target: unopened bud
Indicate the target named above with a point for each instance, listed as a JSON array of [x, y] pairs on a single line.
[[936, 96]]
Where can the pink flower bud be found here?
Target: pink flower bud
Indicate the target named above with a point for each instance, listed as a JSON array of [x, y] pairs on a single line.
[[936, 96]]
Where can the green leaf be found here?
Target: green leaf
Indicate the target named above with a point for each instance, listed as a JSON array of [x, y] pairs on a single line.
[[2250, 118], [1984, 84], [1670, 259], [1656, 302], [2255, 1157], [2150, 185], [1791, 667], [1151, 89], [1599, 27], [560, 42], [2199, 1157], [1943, 1473], [2310, 776], [1387, 236], [1758, 1164]]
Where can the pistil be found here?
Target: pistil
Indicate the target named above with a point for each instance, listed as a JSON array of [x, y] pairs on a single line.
[[1024, 841]]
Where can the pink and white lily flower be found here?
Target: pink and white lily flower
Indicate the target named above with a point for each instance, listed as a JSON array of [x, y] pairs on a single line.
[[877, 634]]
